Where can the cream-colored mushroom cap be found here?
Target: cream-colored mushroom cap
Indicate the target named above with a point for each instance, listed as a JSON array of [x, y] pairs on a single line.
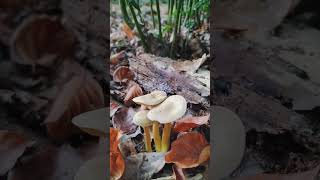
[[141, 119], [173, 108], [154, 98]]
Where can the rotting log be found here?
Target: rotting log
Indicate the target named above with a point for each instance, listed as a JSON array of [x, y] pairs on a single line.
[[157, 73]]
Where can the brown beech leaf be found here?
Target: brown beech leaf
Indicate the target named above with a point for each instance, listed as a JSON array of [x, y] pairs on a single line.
[[115, 135], [114, 106], [30, 42], [143, 165], [115, 59], [189, 150], [122, 74], [134, 91], [95, 168], [49, 163], [117, 164], [123, 120], [127, 30], [307, 175], [93, 122], [189, 122], [12, 146], [80, 94]]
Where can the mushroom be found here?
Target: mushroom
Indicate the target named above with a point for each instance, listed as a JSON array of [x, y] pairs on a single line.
[[141, 119], [173, 108], [152, 99]]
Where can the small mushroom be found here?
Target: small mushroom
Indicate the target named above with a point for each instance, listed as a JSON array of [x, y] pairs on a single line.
[[141, 119], [149, 100], [154, 98], [173, 108]]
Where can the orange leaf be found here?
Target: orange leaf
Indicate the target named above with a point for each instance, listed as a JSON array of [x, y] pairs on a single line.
[[134, 91], [122, 74], [190, 122], [114, 59], [114, 139], [80, 94], [117, 164], [127, 30], [189, 150]]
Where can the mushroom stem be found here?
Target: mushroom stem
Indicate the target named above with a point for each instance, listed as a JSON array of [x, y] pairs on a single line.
[[166, 137], [156, 136], [147, 138]]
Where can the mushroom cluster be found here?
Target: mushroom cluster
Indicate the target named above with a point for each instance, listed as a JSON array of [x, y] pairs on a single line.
[[157, 109]]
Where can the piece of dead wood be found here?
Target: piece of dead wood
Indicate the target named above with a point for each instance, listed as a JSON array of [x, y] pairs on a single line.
[[157, 73]]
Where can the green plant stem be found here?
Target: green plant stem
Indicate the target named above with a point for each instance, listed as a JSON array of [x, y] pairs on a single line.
[[142, 37], [127, 20], [179, 4], [159, 19], [153, 19]]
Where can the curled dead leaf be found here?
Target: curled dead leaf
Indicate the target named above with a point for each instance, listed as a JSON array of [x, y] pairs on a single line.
[[114, 139], [80, 94], [30, 45], [190, 122], [114, 59], [93, 122], [123, 74], [12, 146], [143, 165], [117, 164], [123, 120], [134, 91], [114, 106], [189, 150]]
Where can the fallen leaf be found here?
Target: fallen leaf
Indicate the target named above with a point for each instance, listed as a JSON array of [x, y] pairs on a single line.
[[308, 175], [189, 150], [190, 122], [226, 127], [123, 120], [93, 122], [30, 42], [60, 163], [189, 66], [123, 74], [80, 94], [127, 30], [117, 164], [12, 146], [143, 165], [134, 91], [115, 135], [115, 59], [126, 146], [95, 168], [114, 106]]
